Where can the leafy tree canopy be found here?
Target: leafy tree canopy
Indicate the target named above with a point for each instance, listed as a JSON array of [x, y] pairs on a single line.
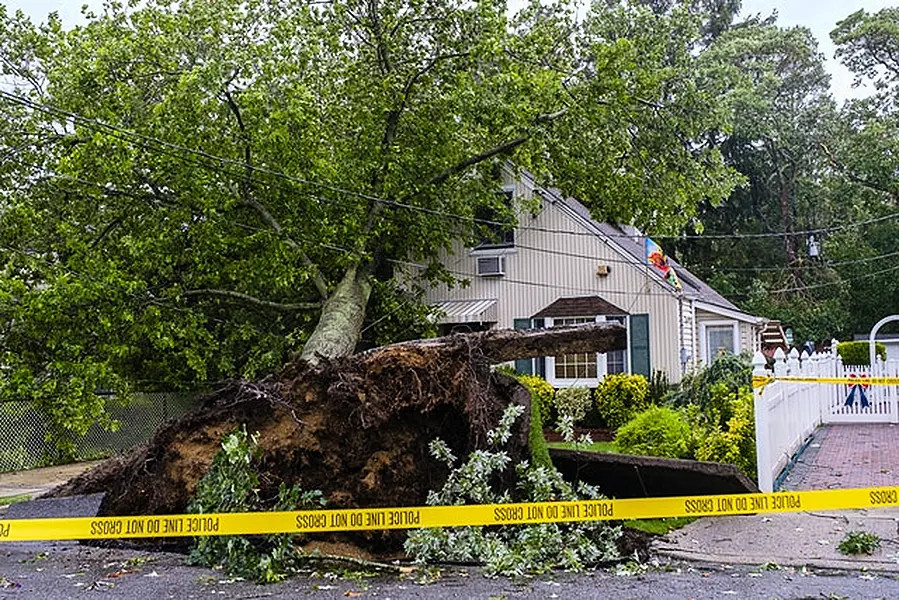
[[194, 190]]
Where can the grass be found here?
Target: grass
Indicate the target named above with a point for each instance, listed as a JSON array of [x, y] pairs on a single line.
[[608, 447], [7, 500], [659, 526]]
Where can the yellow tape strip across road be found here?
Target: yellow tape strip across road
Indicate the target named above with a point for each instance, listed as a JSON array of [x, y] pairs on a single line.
[[94, 528], [761, 380]]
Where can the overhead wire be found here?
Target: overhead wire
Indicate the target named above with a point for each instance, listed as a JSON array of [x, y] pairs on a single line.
[[153, 144], [126, 135], [518, 244]]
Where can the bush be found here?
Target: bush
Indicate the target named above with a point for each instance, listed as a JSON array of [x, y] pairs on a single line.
[[656, 431], [729, 370], [619, 397], [573, 402], [536, 440], [736, 444], [858, 354], [541, 394], [659, 388]]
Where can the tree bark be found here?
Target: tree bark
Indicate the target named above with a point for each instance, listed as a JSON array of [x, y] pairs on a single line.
[[502, 345], [340, 324]]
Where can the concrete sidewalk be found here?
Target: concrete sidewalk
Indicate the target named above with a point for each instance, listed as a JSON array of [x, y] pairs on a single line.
[[35, 482], [838, 456]]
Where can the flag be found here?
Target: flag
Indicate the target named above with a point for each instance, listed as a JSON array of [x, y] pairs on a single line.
[[657, 258]]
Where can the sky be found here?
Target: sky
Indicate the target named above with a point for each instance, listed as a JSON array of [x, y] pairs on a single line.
[[820, 16]]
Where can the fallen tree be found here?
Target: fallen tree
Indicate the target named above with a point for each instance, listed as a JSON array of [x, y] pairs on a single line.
[[356, 428]]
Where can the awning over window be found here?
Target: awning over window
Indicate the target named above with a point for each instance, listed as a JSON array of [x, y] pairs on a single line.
[[585, 306], [466, 311]]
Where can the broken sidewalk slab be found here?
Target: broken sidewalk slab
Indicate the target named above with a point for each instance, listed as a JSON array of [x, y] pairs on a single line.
[[626, 476]]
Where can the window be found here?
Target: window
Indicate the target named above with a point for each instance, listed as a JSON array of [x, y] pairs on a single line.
[[616, 360], [575, 366], [719, 338], [497, 233]]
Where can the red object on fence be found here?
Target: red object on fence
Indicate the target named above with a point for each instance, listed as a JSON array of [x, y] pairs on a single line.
[[861, 377]]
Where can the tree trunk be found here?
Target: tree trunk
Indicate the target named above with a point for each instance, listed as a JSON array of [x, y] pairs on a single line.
[[340, 324]]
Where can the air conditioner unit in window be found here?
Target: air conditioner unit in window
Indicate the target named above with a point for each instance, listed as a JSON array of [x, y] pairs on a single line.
[[491, 266]]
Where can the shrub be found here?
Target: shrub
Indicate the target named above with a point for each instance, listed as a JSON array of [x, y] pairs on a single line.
[[573, 402], [541, 394], [513, 550], [859, 353], [536, 440], [659, 387], [730, 370], [619, 397], [657, 431], [736, 444]]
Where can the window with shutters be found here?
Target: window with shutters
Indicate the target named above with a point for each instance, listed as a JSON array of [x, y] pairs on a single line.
[[581, 365]]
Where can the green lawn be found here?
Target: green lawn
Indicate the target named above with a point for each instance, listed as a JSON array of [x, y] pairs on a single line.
[[608, 447], [7, 500]]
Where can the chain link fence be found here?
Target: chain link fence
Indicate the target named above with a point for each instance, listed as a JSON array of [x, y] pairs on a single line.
[[23, 429]]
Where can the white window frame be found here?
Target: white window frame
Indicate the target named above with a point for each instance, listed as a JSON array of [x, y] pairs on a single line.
[[704, 339], [627, 348], [579, 382]]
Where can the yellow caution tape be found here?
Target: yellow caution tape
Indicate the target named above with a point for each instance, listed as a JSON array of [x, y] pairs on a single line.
[[88, 528], [759, 381]]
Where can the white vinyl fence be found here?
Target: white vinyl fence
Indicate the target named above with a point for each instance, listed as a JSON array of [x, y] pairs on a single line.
[[787, 412]]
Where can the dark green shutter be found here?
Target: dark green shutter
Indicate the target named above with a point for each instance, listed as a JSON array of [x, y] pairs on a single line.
[[524, 366], [640, 345], [540, 362]]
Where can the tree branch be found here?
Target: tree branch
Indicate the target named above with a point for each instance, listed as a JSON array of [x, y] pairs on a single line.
[[247, 199], [317, 278], [288, 307], [500, 150], [871, 185], [245, 186]]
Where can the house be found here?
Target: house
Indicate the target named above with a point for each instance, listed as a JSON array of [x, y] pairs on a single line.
[[560, 267]]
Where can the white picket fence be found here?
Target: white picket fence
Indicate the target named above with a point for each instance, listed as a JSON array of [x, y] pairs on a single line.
[[787, 412]]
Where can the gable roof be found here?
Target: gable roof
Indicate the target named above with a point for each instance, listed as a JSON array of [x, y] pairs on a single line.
[[631, 242], [580, 307]]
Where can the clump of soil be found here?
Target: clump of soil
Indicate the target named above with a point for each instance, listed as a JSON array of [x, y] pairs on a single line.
[[357, 429]]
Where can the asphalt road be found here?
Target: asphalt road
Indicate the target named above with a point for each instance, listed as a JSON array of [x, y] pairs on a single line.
[[66, 570]]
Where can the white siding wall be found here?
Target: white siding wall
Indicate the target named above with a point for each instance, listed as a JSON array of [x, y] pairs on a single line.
[[559, 261], [746, 334]]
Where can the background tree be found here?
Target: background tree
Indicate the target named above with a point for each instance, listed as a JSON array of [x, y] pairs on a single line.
[[753, 247], [196, 190], [864, 156]]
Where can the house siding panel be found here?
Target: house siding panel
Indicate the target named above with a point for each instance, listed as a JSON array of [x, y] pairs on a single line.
[[555, 256]]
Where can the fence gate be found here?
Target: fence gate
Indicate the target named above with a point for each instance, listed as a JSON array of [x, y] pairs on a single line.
[[882, 399], [787, 412]]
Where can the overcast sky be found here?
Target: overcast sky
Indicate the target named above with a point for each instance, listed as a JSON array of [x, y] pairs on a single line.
[[818, 15]]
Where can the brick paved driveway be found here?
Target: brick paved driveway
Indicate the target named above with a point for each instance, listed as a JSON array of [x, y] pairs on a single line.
[[847, 456]]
